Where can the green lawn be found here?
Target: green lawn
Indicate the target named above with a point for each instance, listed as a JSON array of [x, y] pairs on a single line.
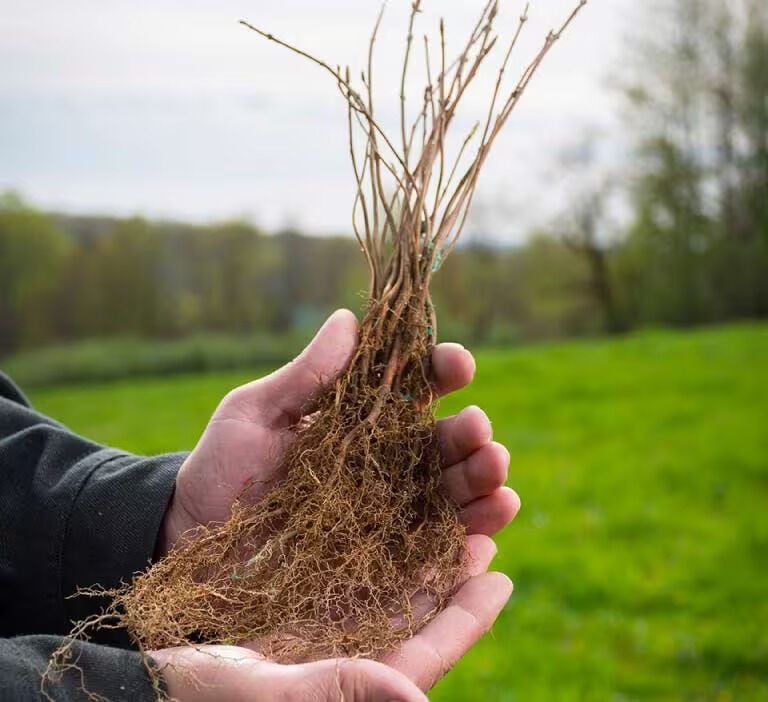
[[641, 555]]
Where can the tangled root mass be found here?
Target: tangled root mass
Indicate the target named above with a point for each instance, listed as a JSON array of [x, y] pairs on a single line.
[[350, 553]]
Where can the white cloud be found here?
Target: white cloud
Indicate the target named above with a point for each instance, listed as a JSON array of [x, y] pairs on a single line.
[[174, 109]]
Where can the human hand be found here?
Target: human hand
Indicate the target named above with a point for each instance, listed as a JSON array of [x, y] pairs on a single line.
[[246, 441], [247, 437], [237, 674]]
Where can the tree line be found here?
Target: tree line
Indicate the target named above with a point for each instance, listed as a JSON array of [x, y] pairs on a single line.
[[67, 278], [692, 249]]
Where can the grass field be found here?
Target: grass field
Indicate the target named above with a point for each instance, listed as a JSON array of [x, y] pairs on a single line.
[[641, 555]]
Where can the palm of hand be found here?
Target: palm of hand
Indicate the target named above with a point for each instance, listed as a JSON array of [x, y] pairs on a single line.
[[212, 478], [246, 439]]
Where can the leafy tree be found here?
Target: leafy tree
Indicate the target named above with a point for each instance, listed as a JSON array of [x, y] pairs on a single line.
[[32, 253], [696, 251]]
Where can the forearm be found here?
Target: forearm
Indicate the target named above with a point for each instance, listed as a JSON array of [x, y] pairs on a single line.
[[113, 529], [72, 514]]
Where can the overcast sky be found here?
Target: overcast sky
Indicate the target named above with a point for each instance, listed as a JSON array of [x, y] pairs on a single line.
[[172, 109]]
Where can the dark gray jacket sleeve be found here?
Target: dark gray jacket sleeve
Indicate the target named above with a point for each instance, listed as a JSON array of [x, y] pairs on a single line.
[[72, 514]]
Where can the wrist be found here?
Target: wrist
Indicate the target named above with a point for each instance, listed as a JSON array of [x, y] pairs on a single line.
[[175, 522]]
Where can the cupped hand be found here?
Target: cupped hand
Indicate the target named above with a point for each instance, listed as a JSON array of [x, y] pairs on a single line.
[[247, 437], [237, 674]]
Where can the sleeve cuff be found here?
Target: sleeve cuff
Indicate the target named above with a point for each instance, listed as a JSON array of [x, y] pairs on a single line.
[[109, 673]]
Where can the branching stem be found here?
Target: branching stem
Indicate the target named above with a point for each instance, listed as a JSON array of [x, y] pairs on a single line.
[[408, 215]]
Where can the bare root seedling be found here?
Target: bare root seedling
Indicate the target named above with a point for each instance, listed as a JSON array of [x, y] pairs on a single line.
[[358, 546]]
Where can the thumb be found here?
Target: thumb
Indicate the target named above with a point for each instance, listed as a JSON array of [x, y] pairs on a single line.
[[356, 680], [289, 390]]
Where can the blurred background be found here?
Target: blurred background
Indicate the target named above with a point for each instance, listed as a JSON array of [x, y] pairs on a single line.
[[175, 204]]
